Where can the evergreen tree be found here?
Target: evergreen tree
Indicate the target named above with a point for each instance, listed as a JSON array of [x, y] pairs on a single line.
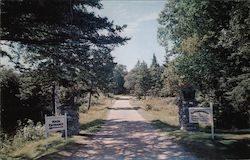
[[72, 45], [155, 75], [130, 78], [170, 79], [142, 83], [118, 79]]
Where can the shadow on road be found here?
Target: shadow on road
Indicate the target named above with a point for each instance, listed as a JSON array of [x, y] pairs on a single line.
[[124, 108], [123, 140]]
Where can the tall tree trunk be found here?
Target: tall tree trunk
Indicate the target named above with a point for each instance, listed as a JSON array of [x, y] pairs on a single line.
[[90, 94], [0, 110], [53, 98]]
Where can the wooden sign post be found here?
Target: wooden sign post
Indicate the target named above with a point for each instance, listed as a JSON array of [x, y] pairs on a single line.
[[56, 123]]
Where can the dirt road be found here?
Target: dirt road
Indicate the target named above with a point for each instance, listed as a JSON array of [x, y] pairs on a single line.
[[126, 135]]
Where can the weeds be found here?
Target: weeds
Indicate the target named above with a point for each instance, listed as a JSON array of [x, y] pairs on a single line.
[[25, 132]]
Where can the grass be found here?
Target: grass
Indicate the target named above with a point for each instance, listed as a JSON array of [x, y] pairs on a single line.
[[157, 108], [164, 116], [90, 122]]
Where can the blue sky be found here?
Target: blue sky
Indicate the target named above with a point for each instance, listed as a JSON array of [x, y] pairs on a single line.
[[141, 18]]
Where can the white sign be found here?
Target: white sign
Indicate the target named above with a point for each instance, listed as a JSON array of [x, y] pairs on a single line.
[[200, 115], [56, 123]]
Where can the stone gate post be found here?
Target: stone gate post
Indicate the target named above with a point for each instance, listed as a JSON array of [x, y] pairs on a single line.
[[187, 100]]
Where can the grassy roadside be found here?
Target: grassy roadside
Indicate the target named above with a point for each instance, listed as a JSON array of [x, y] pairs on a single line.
[[90, 122], [162, 113]]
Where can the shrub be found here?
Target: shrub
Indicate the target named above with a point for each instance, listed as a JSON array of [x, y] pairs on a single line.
[[24, 133]]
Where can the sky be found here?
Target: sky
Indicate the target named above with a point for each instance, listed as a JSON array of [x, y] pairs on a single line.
[[141, 18]]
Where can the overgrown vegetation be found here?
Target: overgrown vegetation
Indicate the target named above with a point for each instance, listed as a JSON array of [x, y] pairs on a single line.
[[25, 133], [29, 141]]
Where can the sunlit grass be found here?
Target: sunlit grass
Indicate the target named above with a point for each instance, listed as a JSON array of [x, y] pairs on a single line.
[[157, 108]]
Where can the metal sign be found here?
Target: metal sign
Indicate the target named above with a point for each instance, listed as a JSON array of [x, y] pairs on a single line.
[[200, 115], [56, 123]]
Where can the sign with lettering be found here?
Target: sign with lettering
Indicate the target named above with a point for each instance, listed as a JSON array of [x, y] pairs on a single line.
[[200, 115], [56, 123]]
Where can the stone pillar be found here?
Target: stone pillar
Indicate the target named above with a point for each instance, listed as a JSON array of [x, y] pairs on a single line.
[[184, 116], [72, 118], [187, 101]]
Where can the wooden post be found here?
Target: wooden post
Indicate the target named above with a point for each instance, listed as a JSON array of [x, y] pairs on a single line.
[[53, 97], [0, 109], [90, 94], [212, 120], [66, 128], [46, 132]]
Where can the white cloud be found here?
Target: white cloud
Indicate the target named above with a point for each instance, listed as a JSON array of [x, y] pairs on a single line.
[[133, 26]]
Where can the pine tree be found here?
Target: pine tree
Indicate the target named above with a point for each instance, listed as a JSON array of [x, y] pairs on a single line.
[[155, 75], [118, 79], [142, 83]]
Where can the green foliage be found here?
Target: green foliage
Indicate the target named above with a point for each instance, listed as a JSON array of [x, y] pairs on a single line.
[[70, 50], [130, 78], [211, 40], [170, 80], [155, 75], [118, 79], [25, 132], [142, 81], [72, 46], [142, 84]]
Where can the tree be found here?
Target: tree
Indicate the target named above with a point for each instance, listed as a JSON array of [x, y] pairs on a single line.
[[74, 44], [9, 82], [170, 80], [211, 56], [142, 83], [155, 75], [118, 78], [130, 78]]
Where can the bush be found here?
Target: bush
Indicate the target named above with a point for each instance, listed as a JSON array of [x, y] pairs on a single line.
[[25, 132]]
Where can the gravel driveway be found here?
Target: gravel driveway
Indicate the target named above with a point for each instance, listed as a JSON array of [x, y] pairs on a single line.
[[126, 135]]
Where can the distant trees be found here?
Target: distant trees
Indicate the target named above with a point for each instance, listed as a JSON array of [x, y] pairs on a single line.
[[119, 73], [155, 74], [143, 80]]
